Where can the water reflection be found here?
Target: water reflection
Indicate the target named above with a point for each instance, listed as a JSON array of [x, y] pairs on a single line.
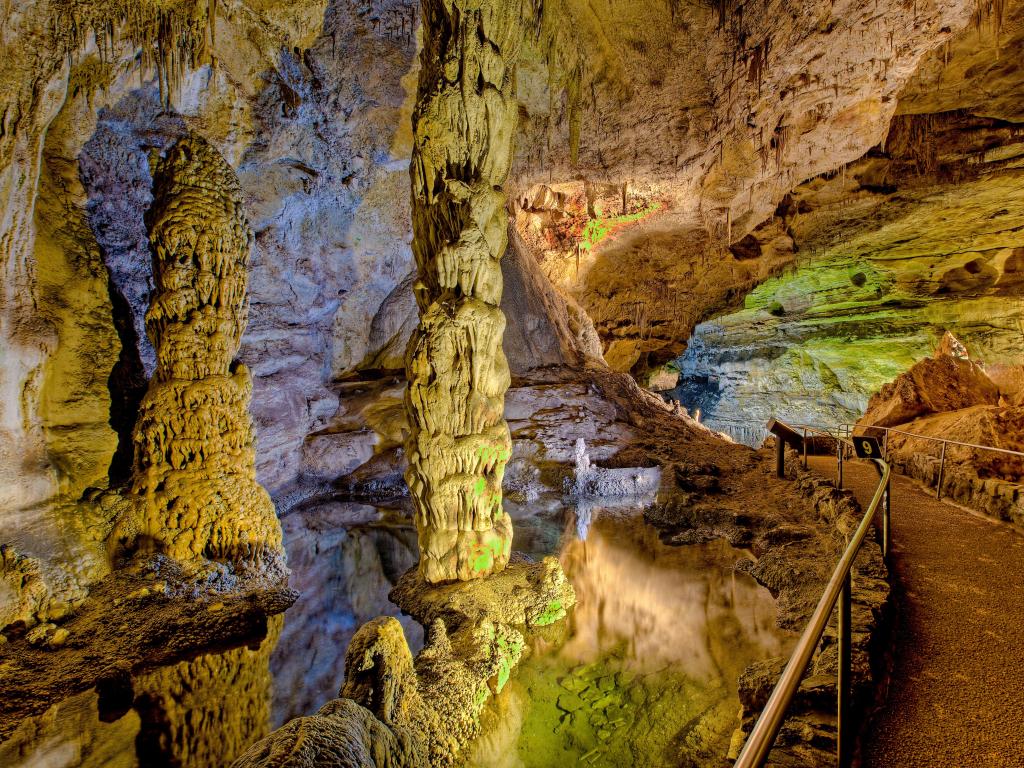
[[203, 712], [344, 560], [646, 670]]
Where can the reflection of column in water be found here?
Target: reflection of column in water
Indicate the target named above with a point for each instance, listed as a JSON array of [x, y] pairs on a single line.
[[663, 605], [204, 712], [584, 514]]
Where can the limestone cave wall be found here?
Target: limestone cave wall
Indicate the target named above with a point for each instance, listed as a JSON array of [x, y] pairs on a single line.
[[670, 159]]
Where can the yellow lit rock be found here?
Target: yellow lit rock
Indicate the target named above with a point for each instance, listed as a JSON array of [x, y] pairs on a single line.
[[463, 125], [194, 489]]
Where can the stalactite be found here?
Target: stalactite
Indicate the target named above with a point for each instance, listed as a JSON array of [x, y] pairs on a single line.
[[759, 63], [459, 443], [171, 35], [194, 478]]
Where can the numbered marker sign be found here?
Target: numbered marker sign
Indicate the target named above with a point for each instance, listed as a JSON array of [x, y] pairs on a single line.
[[867, 447]]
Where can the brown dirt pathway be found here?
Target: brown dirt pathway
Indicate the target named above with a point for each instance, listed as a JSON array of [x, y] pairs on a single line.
[[956, 698]]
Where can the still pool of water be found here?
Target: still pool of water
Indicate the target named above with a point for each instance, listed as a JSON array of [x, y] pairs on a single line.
[[644, 672]]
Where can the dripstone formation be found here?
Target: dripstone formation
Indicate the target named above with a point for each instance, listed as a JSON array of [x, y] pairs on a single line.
[[194, 478], [459, 444]]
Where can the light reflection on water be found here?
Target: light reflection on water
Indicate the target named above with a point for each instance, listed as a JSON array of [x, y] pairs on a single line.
[[646, 669], [659, 637]]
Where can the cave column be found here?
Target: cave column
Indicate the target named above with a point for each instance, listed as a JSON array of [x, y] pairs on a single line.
[[194, 490], [463, 126]]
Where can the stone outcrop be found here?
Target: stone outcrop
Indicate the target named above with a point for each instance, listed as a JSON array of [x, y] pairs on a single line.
[[459, 443], [794, 547], [394, 711], [951, 397], [920, 236], [948, 381], [194, 491]]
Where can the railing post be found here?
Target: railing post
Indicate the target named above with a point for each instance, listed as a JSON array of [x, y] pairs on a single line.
[[844, 732], [942, 467], [886, 514], [885, 446], [839, 461], [805, 447], [780, 457]]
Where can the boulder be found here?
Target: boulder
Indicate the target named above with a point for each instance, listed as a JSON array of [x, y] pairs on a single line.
[[946, 382]]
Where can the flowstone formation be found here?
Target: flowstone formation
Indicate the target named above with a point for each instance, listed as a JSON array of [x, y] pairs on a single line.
[[394, 711], [459, 444], [194, 492]]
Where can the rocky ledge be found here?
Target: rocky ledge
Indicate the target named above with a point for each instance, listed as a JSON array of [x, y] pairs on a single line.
[[163, 617]]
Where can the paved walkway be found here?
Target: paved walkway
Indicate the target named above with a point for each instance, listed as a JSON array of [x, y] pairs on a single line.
[[956, 698]]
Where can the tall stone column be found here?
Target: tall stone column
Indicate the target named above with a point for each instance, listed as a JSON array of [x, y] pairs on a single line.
[[463, 127], [195, 493]]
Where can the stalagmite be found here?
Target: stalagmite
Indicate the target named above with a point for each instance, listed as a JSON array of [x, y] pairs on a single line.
[[194, 493], [463, 126]]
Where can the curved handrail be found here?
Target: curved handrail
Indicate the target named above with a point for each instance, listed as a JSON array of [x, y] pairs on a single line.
[[851, 427], [761, 739]]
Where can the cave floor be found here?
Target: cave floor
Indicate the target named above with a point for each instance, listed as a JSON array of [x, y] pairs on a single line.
[[957, 687]]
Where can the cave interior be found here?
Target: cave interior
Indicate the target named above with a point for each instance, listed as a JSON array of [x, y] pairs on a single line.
[[389, 384]]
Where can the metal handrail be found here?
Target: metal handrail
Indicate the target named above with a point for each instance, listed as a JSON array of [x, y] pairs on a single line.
[[851, 427], [942, 453], [838, 590]]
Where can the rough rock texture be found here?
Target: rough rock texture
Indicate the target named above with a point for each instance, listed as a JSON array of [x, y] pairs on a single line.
[[324, 185], [918, 237], [194, 490], [951, 397], [716, 110], [344, 559], [593, 482], [709, 111], [131, 623], [395, 712], [380, 719], [989, 482], [459, 442], [945, 382]]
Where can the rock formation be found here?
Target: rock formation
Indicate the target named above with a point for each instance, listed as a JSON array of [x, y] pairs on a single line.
[[948, 381], [920, 236], [194, 480], [397, 712], [459, 444], [949, 396]]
